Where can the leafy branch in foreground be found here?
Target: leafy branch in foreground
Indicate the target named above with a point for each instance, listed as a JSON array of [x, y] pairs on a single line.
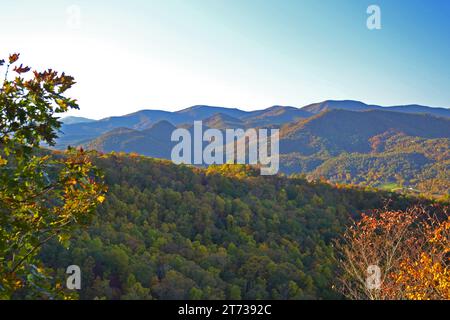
[[411, 248], [43, 195]]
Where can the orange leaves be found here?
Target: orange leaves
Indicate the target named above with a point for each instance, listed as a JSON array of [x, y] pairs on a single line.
[[13, 57], [411, 247], [72, 182]]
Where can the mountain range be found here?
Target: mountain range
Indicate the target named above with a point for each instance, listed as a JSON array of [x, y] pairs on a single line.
[[342, 141], [80, 130]]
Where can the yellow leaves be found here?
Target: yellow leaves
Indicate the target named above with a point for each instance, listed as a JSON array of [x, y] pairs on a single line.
[[419, 266], [101, 199], [18, 284], [3, 161], [426, 279]]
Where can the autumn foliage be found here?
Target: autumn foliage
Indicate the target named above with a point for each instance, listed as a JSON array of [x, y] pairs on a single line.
[[43, 195], [411, 248]]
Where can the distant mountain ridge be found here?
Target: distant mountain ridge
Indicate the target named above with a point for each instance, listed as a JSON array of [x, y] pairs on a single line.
[[77, 131], [352, 105], [73, 120]]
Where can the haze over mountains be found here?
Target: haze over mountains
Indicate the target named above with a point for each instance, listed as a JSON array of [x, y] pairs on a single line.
[[343, 141]]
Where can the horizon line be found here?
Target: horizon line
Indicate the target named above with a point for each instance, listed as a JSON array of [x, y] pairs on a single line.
[[254, 110]]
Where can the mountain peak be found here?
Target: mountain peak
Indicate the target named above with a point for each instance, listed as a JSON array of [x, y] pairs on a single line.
[[223, 121], [201, 112], [204, 108], [278, 107], [335, 104], [73, 120], [162, 126], [221, 116]]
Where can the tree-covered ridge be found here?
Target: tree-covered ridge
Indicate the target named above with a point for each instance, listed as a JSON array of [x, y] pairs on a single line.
[[174, 232], [397, 161], [336, 131], [376, 148]]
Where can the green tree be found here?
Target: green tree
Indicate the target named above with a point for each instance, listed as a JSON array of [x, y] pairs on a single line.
[[195, 294], [43, 195], [235, 292]]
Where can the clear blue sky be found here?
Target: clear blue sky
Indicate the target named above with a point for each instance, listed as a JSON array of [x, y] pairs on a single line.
[[171, 54]]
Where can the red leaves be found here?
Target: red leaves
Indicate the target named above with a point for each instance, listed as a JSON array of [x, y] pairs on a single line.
[[13, 57], [21, 69]]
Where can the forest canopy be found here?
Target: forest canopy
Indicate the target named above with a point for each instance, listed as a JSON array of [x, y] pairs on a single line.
[[178, 232]]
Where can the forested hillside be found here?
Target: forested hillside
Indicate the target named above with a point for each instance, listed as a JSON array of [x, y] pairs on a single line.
[[398, 151], [174, 232], [336, 131], [344, 142], [397, 161]]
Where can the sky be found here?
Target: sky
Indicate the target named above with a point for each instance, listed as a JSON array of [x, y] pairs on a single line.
[[250, 54]]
